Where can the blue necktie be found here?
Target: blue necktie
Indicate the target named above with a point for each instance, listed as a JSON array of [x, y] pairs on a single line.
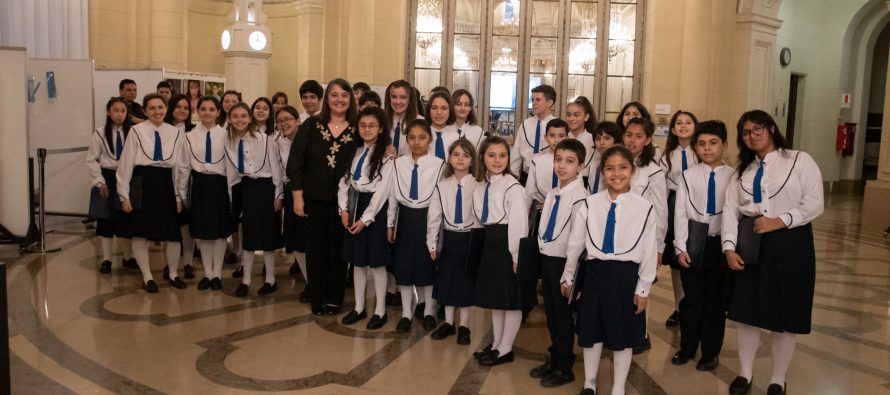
[[357, 173], [554, 181], [412, 194], [395, 137], [596, 182], [120, 145], [208, 148], [712, 194], [159, 149], [685, 166], [609, 237], [241, 156], [537, 136], [485, 204], [551, 223], [757, 178], [440, 146], [458, 206], [460, 132]]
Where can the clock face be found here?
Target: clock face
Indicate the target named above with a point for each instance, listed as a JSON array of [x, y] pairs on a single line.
[[226, 39], [257, 40], [785, 57]]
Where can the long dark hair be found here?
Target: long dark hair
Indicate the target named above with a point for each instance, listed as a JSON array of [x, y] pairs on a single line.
[[588, 108], [171, 106], [482, 172], [270, 122], [762, 118], [379, 152], [251, 127], [109, 124], [351, 112], [644, 113], [471, 117], [468, 147], [411, 111], [222, 112], [673, 141], [648, 154], [441, 94]]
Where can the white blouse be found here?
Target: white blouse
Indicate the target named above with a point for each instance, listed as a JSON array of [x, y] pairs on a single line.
[[524, 143], [402, 145], [570, 197], [442, 213], [649, 183], [380, 184], [676, 157], [196, 150], [260, 160], [139, 151], [283, 145], [473, 133], [791, 189], [634, 238], [429, 170], [692, 201], [506, 205], [540, 178], [101, 155]]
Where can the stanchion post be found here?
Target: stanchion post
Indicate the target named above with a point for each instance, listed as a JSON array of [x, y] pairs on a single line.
[[5, 386], [41, 192]]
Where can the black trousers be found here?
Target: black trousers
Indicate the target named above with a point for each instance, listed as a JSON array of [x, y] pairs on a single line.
[[327, 270], [703, 308], [559, 315]]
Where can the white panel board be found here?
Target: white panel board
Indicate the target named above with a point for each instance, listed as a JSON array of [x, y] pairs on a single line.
[[14, 149]]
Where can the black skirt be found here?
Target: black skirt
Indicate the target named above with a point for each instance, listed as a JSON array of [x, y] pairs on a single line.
[[606, 310], [295, 227], [156, 219], [119, 223], [776, 294], [369, 248], [210, 218], [497, 286], [455, 272], [668, 257], [261, 224], [411, 258]]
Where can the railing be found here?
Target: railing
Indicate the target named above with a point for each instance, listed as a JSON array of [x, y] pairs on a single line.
[[42, 153]]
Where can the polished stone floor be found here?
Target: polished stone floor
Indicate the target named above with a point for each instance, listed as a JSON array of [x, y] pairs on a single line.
[[73, 330]]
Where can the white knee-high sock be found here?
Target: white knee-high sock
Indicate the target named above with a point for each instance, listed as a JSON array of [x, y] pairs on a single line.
[[748, 338], [379, 274], [464, 316], [188, 245], [430, 306], [678, 288], [106, 248], [497, 327], [621, 365], [783, 350], [247, 264], [407, 292], [269, 263], [591, 364], [512, 321], [449, 314], [219, 255], [391, 285], [140, 252], [421, 297], [206, 247], [359, 283], [172, 249], [300, 258], [127, 246]]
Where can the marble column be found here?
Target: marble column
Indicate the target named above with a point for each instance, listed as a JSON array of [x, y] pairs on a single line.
[[168, 34]]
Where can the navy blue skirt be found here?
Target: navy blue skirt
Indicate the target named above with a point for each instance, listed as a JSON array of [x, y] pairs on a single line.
[[295, 227], [261, 224], [455, 269], [412, 261], [369, 248], [119, 223], [209, 216], [606, 310], [156, 219], [497, 286], [668, 257]]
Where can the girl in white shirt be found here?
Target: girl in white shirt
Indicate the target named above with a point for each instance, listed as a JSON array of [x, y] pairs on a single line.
[[581, 119], [606, 134], [465, 117], [440, 115], [287, 121], [401, 104], [262, 115], [179, 114]]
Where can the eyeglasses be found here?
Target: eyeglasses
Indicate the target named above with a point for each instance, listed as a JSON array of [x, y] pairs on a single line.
[[757, 130], [368, 126]]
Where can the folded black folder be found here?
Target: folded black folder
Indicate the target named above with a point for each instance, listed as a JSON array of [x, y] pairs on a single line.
[[748, 241], [101, 207], [695, 242]]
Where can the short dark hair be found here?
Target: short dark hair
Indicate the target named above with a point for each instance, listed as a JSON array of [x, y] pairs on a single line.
[[573, 146], [125, 82], [714, 127], [556, 123], [609, 128], [312, 86], [370, 96], [419, 123], [361, 85], [151, 96], [164, 84], [548, 91]]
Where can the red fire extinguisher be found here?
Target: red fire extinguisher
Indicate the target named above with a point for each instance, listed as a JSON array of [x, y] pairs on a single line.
[[846, 137]]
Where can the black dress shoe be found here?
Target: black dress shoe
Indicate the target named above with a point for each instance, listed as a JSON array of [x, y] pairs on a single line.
[[418, 310], [105, 267], [150, 286], [239, 272], [644, 346], [404, 325], [376, 322], [588, 391], [443, 331], [353, 317], [776, 389], [494, 358], [542, 370], [267, 289], [740, 386], [463, 335], [318, 310], [304, 297], [331, 310], [429, 323], [216, 284], [483, 352], [203, 284], [674, 319], [232, 258], [166, 272], [130, 263], [177, 283], [680, 358], [557, 378], [242, 290], [189, 272], [705, 365]]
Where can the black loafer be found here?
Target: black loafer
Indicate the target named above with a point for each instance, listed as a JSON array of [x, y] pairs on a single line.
[[680, 358], [494, 358], [105, 267], [644, 346], [542, 370], [150, 286], [418, 310], [203, 284], [588, 391], [353, 317], [557, 378], [483, 352], [429, 323], [404, 325], [674, 319], [130, 263], [267, 289], [376, 322], [239, 272], [776, 389], [443, 331], [189, 272], [740, 386], [242, 290], [166, 272], [463, 335], [704, 365], [216, 284], [318, 310], [304, 297], [331, 310], [177, 283]]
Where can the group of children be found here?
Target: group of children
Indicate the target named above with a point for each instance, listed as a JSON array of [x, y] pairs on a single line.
[[433, 208]]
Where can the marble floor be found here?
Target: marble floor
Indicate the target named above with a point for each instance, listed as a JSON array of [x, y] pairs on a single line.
[[73, 330]]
